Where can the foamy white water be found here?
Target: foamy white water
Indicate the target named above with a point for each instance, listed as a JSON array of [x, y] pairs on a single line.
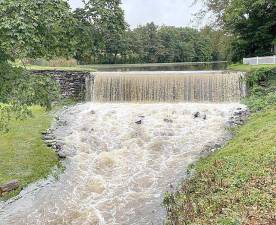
[[117, 171]]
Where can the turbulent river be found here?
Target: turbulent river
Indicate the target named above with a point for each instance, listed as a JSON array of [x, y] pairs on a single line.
[[121, 160]]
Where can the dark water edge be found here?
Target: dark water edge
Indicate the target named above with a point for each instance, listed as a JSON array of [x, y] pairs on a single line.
[[193, 66]]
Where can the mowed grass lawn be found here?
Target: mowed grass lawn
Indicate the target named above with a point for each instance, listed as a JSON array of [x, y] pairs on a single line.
[[237, 184], [23, 155], [249, 68]]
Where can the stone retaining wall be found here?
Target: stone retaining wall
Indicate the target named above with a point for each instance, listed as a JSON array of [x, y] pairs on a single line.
[[72, 83]]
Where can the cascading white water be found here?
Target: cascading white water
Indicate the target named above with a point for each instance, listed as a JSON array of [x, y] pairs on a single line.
[[117, 171], [197, 86], [123, 157]]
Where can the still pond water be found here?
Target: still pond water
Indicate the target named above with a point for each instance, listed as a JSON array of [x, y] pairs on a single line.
[[163, 67]]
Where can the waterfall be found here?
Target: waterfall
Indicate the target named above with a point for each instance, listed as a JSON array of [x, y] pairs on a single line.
[[176, 86]]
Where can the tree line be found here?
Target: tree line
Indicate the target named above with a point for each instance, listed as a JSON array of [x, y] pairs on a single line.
[[98, 32], [103, 36], [250, 24], [239, 28], [154, 44]]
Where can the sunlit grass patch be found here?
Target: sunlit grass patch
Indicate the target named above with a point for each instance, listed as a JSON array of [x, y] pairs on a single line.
[[23, 154], [249, 68]]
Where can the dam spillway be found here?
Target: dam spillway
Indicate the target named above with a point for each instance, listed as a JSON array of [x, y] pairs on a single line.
[[123, 156], [173, 86]]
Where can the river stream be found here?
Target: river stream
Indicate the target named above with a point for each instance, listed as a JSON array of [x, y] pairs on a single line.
[[121, 160]]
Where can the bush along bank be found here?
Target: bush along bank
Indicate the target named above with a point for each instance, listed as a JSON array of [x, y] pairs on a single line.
[[235, 185]]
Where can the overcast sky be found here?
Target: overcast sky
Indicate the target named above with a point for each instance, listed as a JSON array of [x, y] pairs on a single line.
[[168, 12]]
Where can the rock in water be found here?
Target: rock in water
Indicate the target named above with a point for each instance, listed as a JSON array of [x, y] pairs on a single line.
[[196, 115], [168, 120], [11, 186], [61, 155], [139, 122]]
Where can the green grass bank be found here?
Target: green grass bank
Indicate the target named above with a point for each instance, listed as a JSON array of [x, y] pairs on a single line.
[[249, 68], [23, 154], [236, 185]]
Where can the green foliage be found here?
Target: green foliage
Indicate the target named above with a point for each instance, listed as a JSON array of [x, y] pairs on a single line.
[[31, 29], [100, 31], [264, 77], [103, 37], [233, 185], [217, 7], [262, 89], [251, 23], [151, 44], [55, 62], [35, 29], [220, 43], [257, 103], [19, 89]]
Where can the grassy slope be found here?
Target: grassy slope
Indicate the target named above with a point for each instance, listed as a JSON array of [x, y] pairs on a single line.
[[23, 155], [236, 185], [73, 68], [248, 68]]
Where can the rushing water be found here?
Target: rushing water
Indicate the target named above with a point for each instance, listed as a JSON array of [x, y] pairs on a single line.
[[123, 157], [203, 86], [117, 170]]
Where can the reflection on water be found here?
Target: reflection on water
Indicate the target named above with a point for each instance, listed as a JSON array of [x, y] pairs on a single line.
[[163, 67], [122, 158]]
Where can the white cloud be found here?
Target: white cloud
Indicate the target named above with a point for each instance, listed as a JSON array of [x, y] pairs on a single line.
[[168, 12]]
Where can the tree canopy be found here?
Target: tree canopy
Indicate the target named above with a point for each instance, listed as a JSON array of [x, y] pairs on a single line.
[[100, 30], [251, 23], [30, 29], [35, 28]]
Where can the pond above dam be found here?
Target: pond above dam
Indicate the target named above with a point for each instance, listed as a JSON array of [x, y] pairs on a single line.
[[184, 66]]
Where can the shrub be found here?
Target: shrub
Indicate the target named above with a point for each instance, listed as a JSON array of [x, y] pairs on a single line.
[[262, 89], [19, 90]]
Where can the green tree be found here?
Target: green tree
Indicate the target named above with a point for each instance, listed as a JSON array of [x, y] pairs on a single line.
[[86, 35], [217, 9], [220, 43], [105, 27], [35, 28], [165, 44], [30, 29], [250, 22], [253, 25]]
